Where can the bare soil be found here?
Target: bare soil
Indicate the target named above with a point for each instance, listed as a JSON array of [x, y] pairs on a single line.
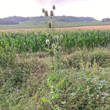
[[88, 27], [80, 27]]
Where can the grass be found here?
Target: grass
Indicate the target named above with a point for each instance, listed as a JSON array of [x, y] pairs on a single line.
[[62, 77], [30, 83], [31, 24]]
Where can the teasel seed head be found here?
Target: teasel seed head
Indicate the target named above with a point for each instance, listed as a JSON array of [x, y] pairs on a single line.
[[47, 41], [50, 25], [53, 46], [53, 7], [43, 10], [61, 36], [57, 37], [51, 13], [46, 13]]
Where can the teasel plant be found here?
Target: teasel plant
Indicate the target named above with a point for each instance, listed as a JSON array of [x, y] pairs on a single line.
[[50, 22], [56, 63], [53, 17], [45, 14]]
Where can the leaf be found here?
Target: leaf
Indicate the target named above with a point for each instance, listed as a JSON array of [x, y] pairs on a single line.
[[59, 83], [49, 50], [52, 76], [63, 102], [44, 99], [55, 96], [53, 67], [35, 96], [73, 94], [47, 63]]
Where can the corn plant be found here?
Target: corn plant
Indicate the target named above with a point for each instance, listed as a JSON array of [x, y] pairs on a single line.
[[36, 42]]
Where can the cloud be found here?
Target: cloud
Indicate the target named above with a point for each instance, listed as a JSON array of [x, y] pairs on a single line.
[[58, 2]]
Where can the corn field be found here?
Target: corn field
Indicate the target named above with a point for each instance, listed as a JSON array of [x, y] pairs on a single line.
[[23, 42]]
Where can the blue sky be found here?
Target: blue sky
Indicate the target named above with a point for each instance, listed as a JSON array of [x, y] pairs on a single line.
[[87, 8]]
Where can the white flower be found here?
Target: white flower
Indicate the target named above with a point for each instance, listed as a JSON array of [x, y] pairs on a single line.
[[61, 36], [53, 46], [47, 41], [54, 37], [59, 47], [57, 36]]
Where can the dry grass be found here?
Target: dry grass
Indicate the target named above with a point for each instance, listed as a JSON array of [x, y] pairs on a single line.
[[22, 29]]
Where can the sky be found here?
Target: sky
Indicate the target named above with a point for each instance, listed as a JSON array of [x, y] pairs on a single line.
[[97, 9]]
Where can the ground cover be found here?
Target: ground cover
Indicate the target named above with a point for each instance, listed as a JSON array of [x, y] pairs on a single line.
[[64, 70]]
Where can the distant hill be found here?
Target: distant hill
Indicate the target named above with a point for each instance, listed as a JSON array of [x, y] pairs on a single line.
[[16, 20], [8, 22], [105, 19], [74, 19]]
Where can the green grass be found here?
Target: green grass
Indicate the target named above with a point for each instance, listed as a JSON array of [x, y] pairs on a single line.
[[74, 79], [32, 24], [86, 84]]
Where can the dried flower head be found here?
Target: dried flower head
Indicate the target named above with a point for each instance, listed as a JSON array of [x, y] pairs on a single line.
[[43, 10], [49, 25], [46, 13], [53, 7], [47, 41], [51, 13]]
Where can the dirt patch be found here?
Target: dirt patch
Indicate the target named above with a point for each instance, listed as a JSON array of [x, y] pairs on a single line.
[[88, 27], [39, 29]]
